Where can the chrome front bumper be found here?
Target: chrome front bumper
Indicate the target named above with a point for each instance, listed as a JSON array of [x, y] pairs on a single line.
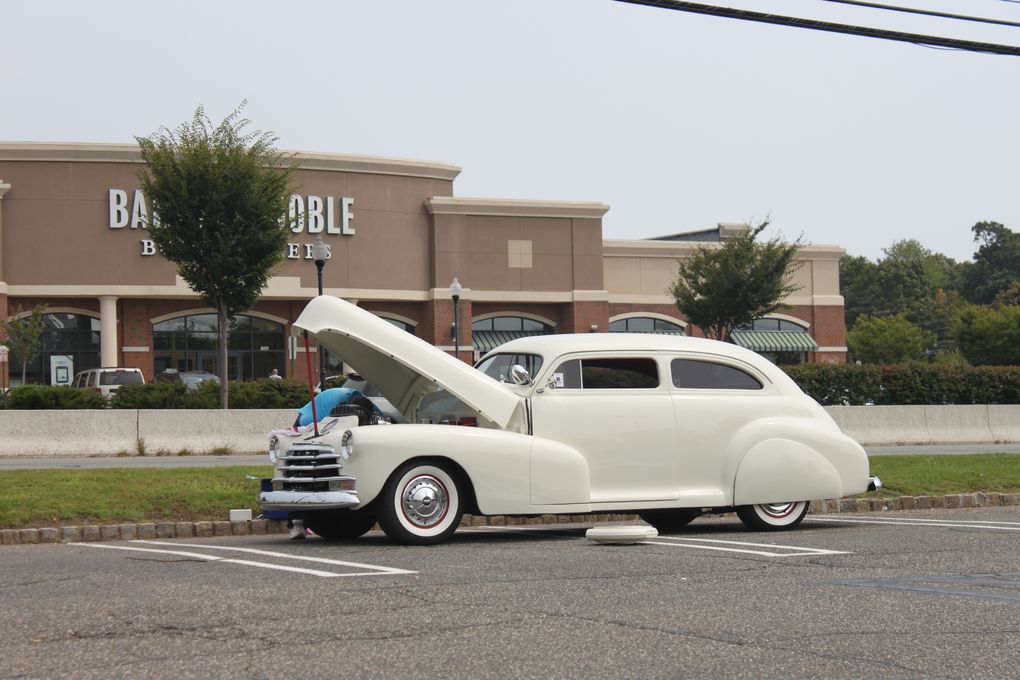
[[874, 483], [307, 500]]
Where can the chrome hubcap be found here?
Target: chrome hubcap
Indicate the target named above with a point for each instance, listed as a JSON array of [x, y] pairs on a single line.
[[424, 501], [778, 510]]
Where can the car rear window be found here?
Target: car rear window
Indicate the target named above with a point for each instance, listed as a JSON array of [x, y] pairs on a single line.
[[120, 378], [707, 375]]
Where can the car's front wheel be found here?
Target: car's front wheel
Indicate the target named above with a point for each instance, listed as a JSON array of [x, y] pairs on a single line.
[[773, 516], [339, 525], [422, 503]]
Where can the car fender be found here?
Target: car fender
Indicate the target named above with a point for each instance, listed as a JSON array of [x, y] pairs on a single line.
[[559, 474], [496, 462], [774, 460]]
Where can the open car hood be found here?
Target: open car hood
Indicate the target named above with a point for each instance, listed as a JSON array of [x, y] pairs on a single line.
[[402, 366]]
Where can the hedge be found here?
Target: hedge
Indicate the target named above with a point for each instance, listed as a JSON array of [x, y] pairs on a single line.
[[263, 393], [829, 384], [907, 384]]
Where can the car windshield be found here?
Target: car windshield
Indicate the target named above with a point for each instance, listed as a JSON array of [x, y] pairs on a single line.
[[120, 378], [498, 365], [361, 385]]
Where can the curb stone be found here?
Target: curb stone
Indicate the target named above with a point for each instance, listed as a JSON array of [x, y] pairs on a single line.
[[206, 529]]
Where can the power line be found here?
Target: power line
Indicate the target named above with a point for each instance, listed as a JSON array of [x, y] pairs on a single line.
[[815, 25], [925, 12]]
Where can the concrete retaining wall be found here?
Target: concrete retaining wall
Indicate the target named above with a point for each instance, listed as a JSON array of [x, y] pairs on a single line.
[[110, 432], [885, 425]]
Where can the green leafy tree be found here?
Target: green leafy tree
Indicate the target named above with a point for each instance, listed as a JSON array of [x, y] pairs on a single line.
[[220, 195], [887, 340], [22, 333], [989, 336], [906, 280], [722, 287], [996, 263]]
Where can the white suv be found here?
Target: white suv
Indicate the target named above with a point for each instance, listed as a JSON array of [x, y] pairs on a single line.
[[105, 380]]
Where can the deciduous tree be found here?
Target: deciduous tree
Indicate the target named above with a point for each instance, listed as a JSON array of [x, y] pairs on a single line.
[[887, 340], [220, 194], [721, 287], [22, 333]]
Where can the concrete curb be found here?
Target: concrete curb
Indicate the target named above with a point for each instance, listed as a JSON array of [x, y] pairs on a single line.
[[149, 530]]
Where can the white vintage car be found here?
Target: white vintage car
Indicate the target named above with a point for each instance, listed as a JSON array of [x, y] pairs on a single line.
[[664, 426]]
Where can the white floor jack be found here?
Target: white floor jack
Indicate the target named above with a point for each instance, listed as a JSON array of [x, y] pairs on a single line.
[[621, 535]]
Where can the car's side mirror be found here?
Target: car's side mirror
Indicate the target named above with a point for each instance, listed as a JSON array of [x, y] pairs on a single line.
[[520, 375]]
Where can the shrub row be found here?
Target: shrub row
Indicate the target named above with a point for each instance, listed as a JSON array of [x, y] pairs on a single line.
[[907, 384], [262, 393]]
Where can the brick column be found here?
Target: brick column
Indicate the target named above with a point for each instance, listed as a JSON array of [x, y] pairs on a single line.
[[5, 375]]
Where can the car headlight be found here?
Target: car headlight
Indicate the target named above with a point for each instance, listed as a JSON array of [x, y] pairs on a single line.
[[347, 445], [274, 448]]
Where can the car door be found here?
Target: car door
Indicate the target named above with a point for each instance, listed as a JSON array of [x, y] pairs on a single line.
[[713, 398], [615, 410]]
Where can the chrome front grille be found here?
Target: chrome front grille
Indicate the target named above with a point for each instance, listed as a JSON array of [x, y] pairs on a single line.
[[307, 466]]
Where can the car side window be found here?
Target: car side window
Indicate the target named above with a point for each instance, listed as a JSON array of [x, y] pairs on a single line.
[[607, 373], [707, 375]]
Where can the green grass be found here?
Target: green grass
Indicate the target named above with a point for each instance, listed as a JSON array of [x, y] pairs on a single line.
[[940, 475], [38, 498]]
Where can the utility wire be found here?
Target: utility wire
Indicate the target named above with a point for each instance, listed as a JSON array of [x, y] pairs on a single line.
[[926, 12], [815, 25]]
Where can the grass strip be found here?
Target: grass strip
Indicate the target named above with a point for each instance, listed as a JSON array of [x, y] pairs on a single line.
[[37, 498], [922, 475]]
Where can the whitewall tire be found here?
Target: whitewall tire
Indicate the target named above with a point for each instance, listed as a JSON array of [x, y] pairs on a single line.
[[773, 516], [422, 503]]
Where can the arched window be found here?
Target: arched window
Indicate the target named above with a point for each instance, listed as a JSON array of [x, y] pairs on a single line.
[[189, 343], [511, 323], [493, 331], [644, 324], [65, 334], [772, 325]]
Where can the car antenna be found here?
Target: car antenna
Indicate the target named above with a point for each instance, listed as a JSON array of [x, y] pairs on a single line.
[[311, 390]]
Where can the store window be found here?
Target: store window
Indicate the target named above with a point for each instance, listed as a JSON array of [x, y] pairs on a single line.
[[255, 346], [511, 323], [644, 324], [65, 335]]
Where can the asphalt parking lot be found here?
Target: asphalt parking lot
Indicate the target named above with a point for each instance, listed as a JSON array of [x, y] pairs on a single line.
[[893, 595]]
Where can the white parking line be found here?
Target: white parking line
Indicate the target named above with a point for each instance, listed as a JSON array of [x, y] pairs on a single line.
[[766, 549], [369, 569], [919, 522]]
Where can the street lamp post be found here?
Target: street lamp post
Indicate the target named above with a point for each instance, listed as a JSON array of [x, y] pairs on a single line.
[[455, 289], [319, 253]]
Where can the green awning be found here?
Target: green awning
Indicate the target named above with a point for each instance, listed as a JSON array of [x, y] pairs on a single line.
[[774, 341], [487, 340]]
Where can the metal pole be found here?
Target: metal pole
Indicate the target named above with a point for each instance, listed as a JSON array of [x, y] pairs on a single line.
[[456, 326], [322, 350]]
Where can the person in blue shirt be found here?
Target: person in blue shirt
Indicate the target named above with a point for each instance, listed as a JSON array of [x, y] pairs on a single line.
[[325, 402]]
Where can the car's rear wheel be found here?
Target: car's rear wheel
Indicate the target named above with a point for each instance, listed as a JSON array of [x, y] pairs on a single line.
[[773, 516], [669, 521], [338, 525], [422, 503]]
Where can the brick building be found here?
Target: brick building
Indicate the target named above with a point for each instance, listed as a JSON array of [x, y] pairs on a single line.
[[72, 237]]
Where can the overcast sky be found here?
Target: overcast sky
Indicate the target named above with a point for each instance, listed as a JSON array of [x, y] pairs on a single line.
[[676, 121]]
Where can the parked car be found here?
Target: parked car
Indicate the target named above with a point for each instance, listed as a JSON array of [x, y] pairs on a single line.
[[665, 426], [190, 379], [105, 381]]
